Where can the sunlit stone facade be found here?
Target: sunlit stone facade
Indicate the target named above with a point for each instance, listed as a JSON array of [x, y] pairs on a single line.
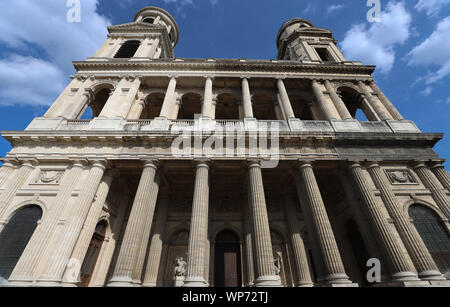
[[95, 192]]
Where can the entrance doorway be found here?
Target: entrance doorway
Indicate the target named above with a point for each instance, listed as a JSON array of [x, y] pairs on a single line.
[[227, 265], [92, 254]]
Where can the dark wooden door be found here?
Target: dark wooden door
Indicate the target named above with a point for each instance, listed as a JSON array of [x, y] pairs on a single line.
[[227, 268], [87, 269]]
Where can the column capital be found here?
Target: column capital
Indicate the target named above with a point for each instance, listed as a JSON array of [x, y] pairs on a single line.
[[373, 164], [254, 163], [173, 77], [245, 78], [419, 164], [153, 163], [354, 164], [304, 164], [202, 163], [436, 165], [209, 77], [100, 163]]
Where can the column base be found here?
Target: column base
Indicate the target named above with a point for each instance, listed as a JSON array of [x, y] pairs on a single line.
[[404, 284], [17, 283], [195, 282], [404, 276], [118, 282], [69, 285], [268, 281], [305, 285], [47, 283], [149, 285], [431, 275]]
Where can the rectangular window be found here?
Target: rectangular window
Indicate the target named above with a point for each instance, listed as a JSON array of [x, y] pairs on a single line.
[[324, 55]]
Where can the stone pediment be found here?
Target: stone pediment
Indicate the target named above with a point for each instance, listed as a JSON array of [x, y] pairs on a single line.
[[134, 27]]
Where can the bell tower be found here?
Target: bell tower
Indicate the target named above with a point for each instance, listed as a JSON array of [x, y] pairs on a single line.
[[153, 35], [299, 40]]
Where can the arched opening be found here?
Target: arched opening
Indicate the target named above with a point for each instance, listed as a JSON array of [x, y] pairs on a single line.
[[191, 105], [95, 107], [15, 237], [175, 263], [263, 107], [128, 49], [150, 20], [227, 107], [359, 249], [301, 108], [90, 260], [227, 264], [352, 100], [153, 106], [434, 235]]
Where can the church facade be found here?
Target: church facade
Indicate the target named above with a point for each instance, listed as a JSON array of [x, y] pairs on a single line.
[[156, 171]]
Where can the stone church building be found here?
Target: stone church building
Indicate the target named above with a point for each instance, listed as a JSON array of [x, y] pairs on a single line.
[[151, 170]]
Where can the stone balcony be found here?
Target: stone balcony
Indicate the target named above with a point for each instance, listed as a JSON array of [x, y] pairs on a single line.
[[161, 125]]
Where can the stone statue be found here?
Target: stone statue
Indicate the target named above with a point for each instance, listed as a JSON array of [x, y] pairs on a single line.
[[180, 267], [277, 266]]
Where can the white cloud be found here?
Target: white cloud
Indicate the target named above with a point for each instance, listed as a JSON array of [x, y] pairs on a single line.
[[29, 81], [375, 44], [43, 45], [431, 7], [334, 8], [433, 52]]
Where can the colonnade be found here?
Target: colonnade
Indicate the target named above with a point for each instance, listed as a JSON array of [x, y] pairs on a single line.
[[51, 247]]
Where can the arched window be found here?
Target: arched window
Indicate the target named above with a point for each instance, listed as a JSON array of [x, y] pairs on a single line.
[[99, 100], [353, 102], [263, 107], [149, 20], [191, 106], [128, 49], [92, 254], [14, 238], [153, 106], [227, 107], [433, 234]]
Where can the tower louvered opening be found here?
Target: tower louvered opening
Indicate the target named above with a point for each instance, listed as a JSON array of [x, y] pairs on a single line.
[[128, 50]]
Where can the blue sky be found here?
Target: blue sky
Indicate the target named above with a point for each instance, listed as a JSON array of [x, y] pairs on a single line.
[[410, 46]]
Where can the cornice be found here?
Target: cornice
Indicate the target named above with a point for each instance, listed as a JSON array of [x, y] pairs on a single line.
[[222, 65]]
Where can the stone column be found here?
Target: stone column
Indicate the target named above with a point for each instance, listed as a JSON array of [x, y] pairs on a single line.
[[56, 264], [301, 260], [333, 265], [401, 265], [286, 103], [136, 111], [263, 244], [142, 50], [156, 245], [137, 273], [338, 103], [198, 235], [141, 212], [375, 103], [176, 109], [13, 184], [169, 100], [246, 99], [386, 102], [419, 253], [71, 277], [119, 104], [207, 101], [367, 108], [42, 243], [431, 183], [249, 242], [324, 106], [6, 170], [153, 48], [441, 174]]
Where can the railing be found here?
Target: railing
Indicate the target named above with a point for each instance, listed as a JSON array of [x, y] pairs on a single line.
[[73, 122]]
